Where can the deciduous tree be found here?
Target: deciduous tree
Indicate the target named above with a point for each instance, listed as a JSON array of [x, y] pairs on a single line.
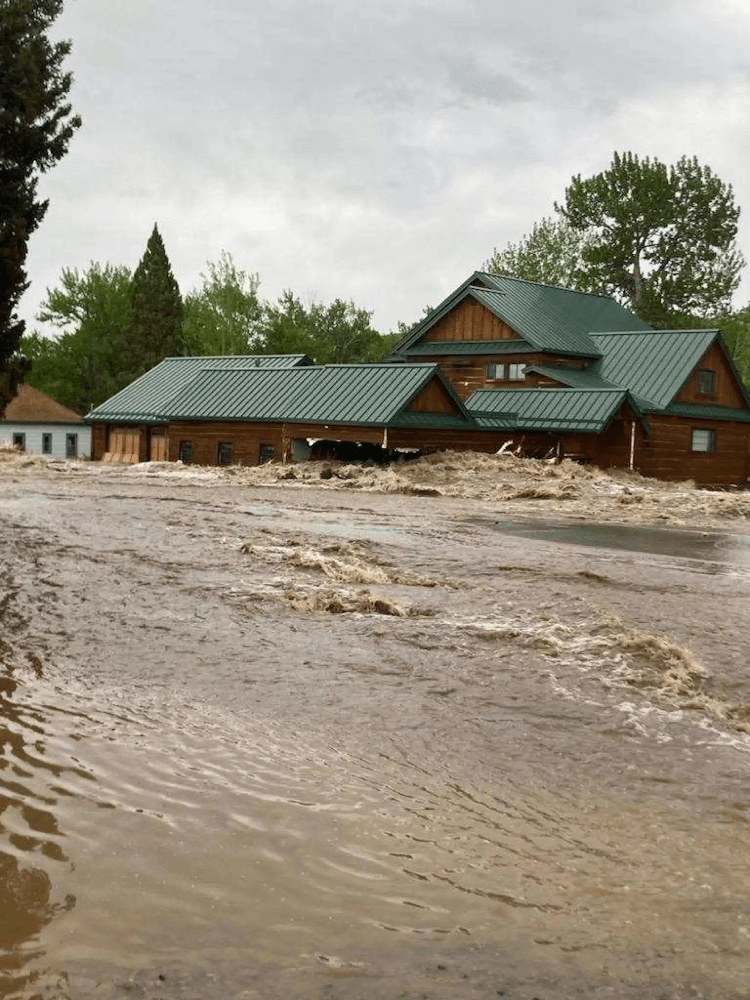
[[86, 362], [36, 126], [338, 333], [550, 254], [659, 238], [223, 316]]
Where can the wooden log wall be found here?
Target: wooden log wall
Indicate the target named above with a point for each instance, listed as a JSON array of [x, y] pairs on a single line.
[[727, 392], [469, 373], [98, 441], [470, 320], [667, 454]]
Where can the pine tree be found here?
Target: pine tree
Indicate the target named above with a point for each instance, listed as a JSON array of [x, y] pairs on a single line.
[[35, 128], [157, 311]]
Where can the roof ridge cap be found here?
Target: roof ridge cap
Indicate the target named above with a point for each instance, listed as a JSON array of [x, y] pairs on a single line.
[[540, 284]]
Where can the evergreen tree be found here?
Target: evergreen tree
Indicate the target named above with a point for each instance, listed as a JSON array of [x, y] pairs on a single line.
[[35, 129], [157, 312]]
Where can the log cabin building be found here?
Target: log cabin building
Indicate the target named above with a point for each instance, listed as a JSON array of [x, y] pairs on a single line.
[[500, 361]]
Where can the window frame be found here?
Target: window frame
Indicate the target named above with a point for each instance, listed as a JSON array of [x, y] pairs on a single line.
[[71, 445], [706, 375], [710, 433], [46, 442], [185, 452], [224, 453], [512, 371], [19, 440]]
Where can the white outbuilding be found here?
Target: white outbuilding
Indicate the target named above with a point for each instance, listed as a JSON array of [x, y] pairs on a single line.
[[38, 424]]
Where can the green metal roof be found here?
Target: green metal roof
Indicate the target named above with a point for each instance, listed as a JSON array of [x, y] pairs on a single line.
[[147, 400], [588, 410], [372, 395], [433, 348], [549, 318], [703, 411], [653, 364], [575, 378]]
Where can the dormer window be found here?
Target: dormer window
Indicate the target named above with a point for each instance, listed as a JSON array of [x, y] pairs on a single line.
[[706, 382], [506, 372]]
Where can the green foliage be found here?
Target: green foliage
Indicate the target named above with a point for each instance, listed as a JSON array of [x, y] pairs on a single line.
[[223, 316], [549, 254], [83, 365], [659, 238], [155, 330], [338, 333], [35, 129], [735, 328]]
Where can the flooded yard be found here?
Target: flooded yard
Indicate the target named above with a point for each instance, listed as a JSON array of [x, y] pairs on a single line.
[[285, 738]]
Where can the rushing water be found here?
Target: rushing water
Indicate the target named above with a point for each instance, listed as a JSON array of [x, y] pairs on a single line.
[[288, 743]]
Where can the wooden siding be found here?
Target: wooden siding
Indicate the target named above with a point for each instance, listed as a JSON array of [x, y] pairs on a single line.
[[98, 441], [434, 398], [727, 392], [470, 320], [468, 373], [667, 454]]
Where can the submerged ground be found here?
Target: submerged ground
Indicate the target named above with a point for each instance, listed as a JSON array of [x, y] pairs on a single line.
[[466, 728]]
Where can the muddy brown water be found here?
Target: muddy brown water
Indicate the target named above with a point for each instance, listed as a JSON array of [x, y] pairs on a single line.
[[290, 742]]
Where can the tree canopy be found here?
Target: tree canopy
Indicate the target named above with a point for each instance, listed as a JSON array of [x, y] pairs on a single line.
[[661, 239], [338, 333], [36, 126], [223, 316], [92, 311], [550, 254]]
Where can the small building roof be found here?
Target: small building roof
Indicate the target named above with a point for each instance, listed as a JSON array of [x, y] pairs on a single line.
[[547, 410], [30, 406], [549, 318], [147, 400]]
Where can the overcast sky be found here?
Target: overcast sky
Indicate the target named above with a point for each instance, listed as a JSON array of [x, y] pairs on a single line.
[[374, 150]]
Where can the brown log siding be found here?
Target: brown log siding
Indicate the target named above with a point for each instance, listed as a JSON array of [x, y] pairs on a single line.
[[467, 374], [470, 320], [727, 391], [434, 398], [667, 454]]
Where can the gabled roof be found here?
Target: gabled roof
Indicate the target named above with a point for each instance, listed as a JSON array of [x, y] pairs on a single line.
[[147, 399], [654, 364], [575, 378], [549, 318], [30, 406], [372, 395], [547, 410]]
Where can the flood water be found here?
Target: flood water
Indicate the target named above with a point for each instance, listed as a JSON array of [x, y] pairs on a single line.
[[304, 743]]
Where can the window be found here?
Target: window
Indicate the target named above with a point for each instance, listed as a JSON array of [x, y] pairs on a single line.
[[506, 372], [224, 454], [71, 445], [267, 453], [185, 452], [703, 440], [19, 441], [706, 382], [46, 444]]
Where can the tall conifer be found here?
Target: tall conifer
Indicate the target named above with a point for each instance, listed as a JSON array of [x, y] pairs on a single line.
[[156, 329], [36, 126]]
